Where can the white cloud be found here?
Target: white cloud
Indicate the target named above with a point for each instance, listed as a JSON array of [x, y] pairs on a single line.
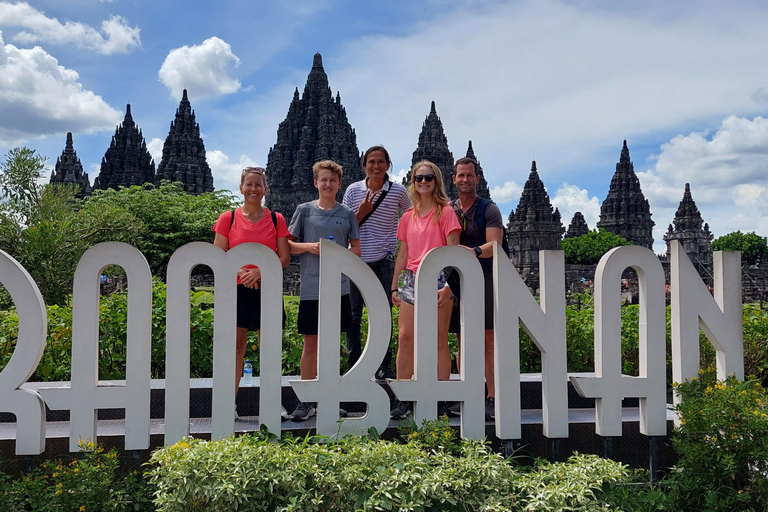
[[600, 75], [571, 199], [226, 174], [116, 35], [40, 97], [728, 173], [508, 192], [202, 69], [155, 148]]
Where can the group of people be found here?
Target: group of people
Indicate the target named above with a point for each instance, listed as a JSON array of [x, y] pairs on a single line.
[[369, 223]]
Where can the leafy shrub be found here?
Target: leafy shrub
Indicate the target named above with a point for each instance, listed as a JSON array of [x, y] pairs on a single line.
[[255, 473], [588, 249], [434, 436], [722, 441], [568, 486], [93, 482], [753, 247]]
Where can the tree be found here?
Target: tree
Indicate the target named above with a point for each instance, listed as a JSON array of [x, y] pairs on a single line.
[[166, 216], [753, 247], [588, 249], [44, 229], [19, 190]]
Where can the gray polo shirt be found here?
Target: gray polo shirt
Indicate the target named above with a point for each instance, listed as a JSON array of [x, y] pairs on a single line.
[[310, 223]]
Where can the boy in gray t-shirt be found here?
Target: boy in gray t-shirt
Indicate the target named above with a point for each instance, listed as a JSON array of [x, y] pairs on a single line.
[[323, 218]]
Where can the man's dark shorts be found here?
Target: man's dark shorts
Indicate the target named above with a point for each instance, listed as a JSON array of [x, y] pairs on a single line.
[[455, 326]]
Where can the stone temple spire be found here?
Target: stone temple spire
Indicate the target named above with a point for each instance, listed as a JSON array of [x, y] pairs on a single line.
[[625, 211], [433, 146], [482, 185], [316, 128], [534, 226], [127, 161], [691, 231], [69, 170], [184, 153], [578, 226]]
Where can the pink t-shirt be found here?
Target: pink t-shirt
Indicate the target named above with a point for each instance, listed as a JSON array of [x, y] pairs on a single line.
[[422, 234], [244, 231]]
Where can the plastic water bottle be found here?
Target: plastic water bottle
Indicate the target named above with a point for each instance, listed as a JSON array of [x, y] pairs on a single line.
[[247, 373]]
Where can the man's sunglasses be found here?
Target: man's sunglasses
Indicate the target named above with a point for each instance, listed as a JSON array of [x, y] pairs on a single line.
[[424, 177]]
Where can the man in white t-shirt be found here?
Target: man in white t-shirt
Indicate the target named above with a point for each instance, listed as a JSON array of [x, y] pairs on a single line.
[[378, 203]]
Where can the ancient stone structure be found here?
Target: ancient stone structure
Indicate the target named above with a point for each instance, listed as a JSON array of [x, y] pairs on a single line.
[[482, 185], [533, 226], [127, 161], [184, 153], [316, 128], [69, 170], [578, 226], [625, 211], [692, 233], [433, 146]]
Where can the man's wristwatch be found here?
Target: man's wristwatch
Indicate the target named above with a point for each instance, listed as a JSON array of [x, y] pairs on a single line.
[[478, 251]]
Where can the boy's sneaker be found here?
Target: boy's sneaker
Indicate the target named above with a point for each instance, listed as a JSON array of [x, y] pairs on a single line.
[[455, 410], [284, 414], [384, 373], [304, 411], [400, 411], [490, 408]]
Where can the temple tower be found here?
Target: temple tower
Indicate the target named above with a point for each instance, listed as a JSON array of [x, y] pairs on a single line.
[[534, 225], [127, 161], [433, 146], [69, 170], [625, 211], [578, 226], [482, 185], [316, 128], [184, 153], [691, 231]]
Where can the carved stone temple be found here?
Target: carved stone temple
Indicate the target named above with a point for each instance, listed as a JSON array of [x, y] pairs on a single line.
[[316, 128], [433, 146], [533, 226], [578, 226], [184, 153], [69, 170], [127, 161], [625, 211], [690, 230], [482, 185]]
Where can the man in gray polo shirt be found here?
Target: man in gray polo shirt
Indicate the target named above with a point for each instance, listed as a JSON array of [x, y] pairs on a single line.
[[377, 202]]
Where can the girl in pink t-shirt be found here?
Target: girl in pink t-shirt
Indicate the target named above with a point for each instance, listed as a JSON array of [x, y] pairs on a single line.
[[429, 224], [251, 223]]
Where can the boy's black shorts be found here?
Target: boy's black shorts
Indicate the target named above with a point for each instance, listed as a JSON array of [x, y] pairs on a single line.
[[307, 320]]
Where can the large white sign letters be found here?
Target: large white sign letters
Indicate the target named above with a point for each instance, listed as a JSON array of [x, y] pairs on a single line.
[[692, 307]]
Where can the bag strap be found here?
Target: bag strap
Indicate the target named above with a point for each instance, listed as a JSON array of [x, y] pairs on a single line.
[[376, 204], [231, 221]]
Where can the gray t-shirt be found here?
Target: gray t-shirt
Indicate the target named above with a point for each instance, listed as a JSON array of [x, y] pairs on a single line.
[[310, 223]]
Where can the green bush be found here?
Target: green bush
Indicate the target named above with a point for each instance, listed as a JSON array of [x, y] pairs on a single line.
[[92, 482], [259, 473], [588, 249], [722, 442]]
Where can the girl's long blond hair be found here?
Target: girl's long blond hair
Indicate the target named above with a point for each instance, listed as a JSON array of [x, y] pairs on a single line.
[[438, 193]]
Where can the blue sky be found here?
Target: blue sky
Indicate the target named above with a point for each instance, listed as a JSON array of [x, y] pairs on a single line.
[[564, 83]]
